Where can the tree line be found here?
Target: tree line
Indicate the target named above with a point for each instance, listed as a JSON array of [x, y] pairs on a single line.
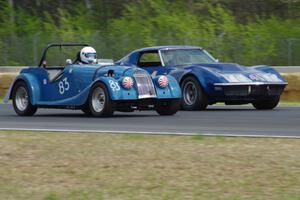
[[247, 32]]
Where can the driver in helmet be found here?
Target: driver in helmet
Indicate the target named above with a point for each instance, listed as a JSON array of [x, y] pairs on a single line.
[[87, 55]]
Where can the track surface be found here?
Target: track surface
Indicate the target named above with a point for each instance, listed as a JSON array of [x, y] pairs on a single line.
[[238, 120]]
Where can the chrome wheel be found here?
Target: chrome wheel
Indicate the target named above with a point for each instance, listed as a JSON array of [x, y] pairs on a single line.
[[190, 93], [98, 99], [21, 98]]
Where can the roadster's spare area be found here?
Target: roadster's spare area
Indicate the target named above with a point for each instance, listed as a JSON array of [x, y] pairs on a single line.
[[70, 76], [205, 81]]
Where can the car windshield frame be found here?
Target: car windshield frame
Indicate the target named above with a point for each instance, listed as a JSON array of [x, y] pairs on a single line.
[[208, 57], [43, 62]]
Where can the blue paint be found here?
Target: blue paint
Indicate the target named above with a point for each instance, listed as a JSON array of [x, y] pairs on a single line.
[[77, 81], [206, 73]]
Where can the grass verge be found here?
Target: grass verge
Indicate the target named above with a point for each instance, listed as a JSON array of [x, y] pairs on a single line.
[[292, 103], [54, 166], [281, 103]]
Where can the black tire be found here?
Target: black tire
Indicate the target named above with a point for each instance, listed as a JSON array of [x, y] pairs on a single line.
[[266, 104], [22, 100], [86, 110], [193, 96], [167, 107], [106, 109]]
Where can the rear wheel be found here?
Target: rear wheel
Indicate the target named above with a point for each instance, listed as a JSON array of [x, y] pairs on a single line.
[[266, 104], [99, 101], [193, 96], [21, 100], [168, 107]]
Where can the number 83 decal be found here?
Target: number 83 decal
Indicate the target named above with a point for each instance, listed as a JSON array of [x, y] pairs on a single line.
[[114, 85], [63, 86]]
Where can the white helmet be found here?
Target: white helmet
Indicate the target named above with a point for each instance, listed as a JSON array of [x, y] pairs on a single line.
[[88, 55]]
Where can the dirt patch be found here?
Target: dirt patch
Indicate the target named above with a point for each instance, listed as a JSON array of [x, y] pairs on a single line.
[[292, 91], [5, 81]]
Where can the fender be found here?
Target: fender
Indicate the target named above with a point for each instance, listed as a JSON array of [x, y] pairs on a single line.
[[268, 69], [171, 91], [32, 85], [115, 89], [205, 77]]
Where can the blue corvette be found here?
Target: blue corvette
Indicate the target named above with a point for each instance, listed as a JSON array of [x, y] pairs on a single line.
[[96, 89], [205, 81]]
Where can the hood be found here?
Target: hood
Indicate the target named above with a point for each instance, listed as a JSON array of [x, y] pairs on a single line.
[[118, 71], [235, 73], [86, 71], [221, 67]]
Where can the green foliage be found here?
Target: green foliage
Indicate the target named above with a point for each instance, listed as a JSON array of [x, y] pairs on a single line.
[[160, 23], [198, 137], [231, 35]]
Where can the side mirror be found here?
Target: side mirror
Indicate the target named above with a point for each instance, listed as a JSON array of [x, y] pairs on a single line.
[[217, 60], [44, 63], [68, 62]]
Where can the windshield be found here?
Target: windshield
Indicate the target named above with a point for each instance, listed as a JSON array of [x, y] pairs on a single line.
[[57, 55], [186, 56]]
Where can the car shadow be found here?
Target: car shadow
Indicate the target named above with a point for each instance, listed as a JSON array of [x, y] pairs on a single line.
[[79, 115], [211, 109], [228, 109]]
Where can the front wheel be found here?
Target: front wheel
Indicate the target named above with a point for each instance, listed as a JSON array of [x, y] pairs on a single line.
[[100, 104], [21, 100], [193, 96], [167, 107], [266, 104]]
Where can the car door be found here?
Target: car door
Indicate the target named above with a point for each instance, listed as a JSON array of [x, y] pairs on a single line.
[[60, 84], [151, 62]]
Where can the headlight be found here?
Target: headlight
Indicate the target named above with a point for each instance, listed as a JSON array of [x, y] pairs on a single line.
[[264, 77], [163, 81], [127, 82], [270, 77], [234, 78]]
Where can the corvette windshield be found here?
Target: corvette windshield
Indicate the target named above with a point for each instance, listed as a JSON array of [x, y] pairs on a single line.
[[186, 56]]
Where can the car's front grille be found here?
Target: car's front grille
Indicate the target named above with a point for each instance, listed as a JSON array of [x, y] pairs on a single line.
[[144, 84], [253, 90]]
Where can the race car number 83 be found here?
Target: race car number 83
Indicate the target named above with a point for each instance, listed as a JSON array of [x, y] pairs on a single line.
[[63, 86], [114, 85]]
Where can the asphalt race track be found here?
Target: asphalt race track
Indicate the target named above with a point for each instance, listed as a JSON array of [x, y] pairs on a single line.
[[229, 120]]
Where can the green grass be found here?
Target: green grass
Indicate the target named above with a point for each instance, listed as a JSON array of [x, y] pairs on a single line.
[[284, 103], [198, 137], [281, 103], [1, 100], [79, 166]]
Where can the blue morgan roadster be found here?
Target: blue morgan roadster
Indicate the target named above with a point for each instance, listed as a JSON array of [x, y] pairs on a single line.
[[205, 81], [96, 89]]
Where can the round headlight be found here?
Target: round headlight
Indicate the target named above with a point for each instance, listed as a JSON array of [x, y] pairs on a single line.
[[163, 81], [127, 82]]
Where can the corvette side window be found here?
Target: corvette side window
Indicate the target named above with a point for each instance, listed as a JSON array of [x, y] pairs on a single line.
[[149, 59]]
